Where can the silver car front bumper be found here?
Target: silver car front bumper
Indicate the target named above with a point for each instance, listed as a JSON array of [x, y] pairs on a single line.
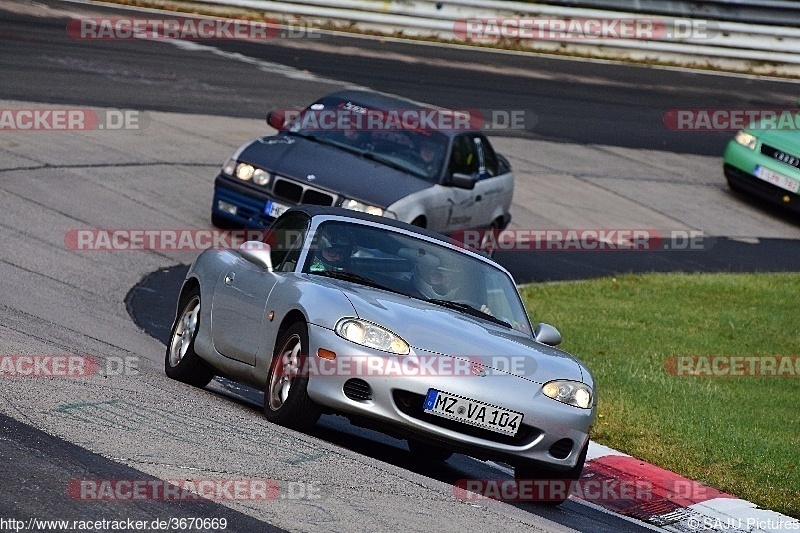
[[363, 382]]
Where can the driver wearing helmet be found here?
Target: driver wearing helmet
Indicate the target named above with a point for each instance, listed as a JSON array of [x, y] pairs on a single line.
[[430, 154], [334, 248]]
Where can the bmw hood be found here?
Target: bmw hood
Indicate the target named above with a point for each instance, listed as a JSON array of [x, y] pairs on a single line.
[[439, 330], [332, 168]]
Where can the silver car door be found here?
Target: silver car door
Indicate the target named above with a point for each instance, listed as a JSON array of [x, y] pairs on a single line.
[[237, 312], [241, 293]]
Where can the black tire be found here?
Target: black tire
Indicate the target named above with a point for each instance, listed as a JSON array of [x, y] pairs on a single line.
[[428, 452], [286, 400], [180, 361], [530, 471], [734, 186], [419, 222]]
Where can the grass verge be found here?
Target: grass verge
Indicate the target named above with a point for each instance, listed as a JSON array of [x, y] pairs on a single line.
[[738, 434]]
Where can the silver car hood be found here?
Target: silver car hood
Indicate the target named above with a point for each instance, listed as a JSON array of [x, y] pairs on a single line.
[[439, 330]]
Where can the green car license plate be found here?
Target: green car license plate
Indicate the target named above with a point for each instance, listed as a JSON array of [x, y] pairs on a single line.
[[775, 178]]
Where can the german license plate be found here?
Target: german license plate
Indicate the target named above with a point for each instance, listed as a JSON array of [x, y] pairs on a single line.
[[274, 209], [776, 179], [473, 412]]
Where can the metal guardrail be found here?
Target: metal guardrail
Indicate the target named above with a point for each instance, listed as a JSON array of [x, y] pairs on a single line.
[[715, 43]]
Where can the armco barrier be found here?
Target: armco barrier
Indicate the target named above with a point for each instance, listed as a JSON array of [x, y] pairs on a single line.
[[741, 46], [770, 12]]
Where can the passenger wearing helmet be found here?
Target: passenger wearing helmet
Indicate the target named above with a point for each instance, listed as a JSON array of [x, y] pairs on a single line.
[[440, 281], [334, 248]]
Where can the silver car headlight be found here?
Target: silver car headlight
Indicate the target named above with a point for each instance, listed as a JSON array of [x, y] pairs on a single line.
[[355, 205], [746, 139], [371, 335], [572, 393]]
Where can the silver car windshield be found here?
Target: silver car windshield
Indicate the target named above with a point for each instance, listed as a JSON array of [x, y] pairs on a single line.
[[417, 268]]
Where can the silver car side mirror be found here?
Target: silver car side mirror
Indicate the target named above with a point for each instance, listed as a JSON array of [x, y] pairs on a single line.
[[258, 253], [547, 334]]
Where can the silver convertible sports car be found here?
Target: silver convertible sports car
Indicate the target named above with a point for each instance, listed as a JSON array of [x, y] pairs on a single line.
[[393, 326]]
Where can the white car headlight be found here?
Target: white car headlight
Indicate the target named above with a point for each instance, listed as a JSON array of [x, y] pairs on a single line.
[[355, 205], [746, 139], [371, 335], [569, 392]]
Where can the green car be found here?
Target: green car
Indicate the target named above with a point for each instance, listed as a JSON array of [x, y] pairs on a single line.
[[765, 163]]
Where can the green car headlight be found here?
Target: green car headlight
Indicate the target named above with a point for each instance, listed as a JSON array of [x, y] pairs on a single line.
[[746, 139], [371, 335], [572, 393]]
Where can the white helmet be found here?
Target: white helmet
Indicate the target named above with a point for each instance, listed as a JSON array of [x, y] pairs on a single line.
[[438, 282]]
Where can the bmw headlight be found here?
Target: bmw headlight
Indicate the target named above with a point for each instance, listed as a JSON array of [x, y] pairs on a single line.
[[260, 177], [569, 392], [371, 335], [746, 139], [229, 167], [244, 171], [355, 205]]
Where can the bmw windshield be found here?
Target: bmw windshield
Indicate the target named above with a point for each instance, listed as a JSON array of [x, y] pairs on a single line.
[[392, 138]]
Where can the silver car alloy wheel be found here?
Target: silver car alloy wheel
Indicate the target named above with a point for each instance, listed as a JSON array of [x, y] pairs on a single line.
[[284, 372], [184, 332]]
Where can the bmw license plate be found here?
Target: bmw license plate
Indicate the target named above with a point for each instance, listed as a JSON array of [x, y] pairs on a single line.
[[776, 179], [274, 209], [473, 412]]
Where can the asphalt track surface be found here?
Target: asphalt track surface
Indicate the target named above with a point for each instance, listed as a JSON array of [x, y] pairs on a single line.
[[575, 103], [41, 466]]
